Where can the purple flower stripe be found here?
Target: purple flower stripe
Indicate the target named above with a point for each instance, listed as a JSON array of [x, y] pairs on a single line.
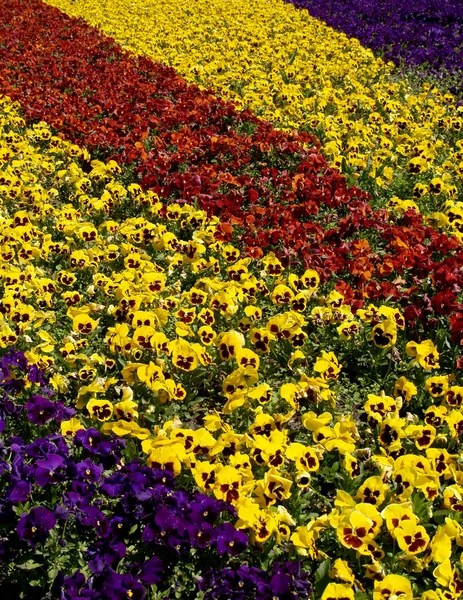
[[427, 33]]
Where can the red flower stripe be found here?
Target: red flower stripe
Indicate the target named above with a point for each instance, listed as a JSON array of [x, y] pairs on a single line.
[[274, 188]]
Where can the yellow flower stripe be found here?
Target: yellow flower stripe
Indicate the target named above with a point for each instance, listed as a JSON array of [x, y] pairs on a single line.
[[293, 70]]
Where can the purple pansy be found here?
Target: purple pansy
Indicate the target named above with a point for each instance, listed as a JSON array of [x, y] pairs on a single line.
[[35, 526]]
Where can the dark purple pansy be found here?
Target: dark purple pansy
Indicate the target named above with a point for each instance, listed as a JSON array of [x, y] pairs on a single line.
[[34, 527], [121, 587], [40, 410], [229, 540], [51, 469], [151, 571]]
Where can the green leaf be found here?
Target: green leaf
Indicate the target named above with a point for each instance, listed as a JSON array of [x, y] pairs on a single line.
[[321, 576], [30, 565], [292, 57]]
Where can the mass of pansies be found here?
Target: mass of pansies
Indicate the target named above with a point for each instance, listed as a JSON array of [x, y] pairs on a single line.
[[226, 372], [425, 35]]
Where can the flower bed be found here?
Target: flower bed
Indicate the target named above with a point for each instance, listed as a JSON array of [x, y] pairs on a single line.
[[318, 431], [390, 138]]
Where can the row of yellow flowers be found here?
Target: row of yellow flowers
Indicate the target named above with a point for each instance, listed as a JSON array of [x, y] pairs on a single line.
[[227, 371], [399, 142]]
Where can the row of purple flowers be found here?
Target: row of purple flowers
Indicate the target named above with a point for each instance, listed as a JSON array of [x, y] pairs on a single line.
[[421, 33], [78, 519]]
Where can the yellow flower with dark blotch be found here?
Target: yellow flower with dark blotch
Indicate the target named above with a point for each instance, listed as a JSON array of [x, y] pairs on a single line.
[[348, 330], [224, 303], [142, 337], [411, 538], [442, 461], [372, 491], [242, 463], [204, 474], [167, 457], [384, 334], [229, 343], [151, 374], [70, 427], [392, 314], [282, 295], [66, 278], [327, 365], [244, 325], [368, 314], [405, 480], [393, 587], [126, 410], [253, 312], [197, 297], [269, 450], [334, 299], [247, 358], [405, 389], [352, 465], [425, 354], [305, 458], [87, 373], [299, 302], [310, 279], [160, 342], [380, 407], [84, 324], [203, 356], [207, 335], [72, 298], [236, 271], [285, 325], [391, 433], [263, 425], [206, 316], [437, 385], [186, 315], [88, 233], [100, 409], [227, 485], [394, 514], [423, 435], [272, 265], [454, 396], [141, 318], [153, 282], [79, 259], [263, 528], [453, 498], [183, 355], [354, 530], [273, 488], [454, 420], [298, 338]]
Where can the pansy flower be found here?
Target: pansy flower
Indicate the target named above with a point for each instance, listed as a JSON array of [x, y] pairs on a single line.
[[393, 587], [40, 409], [34, 527]]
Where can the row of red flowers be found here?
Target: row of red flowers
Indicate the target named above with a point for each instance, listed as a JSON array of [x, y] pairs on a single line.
[[269, 188]]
